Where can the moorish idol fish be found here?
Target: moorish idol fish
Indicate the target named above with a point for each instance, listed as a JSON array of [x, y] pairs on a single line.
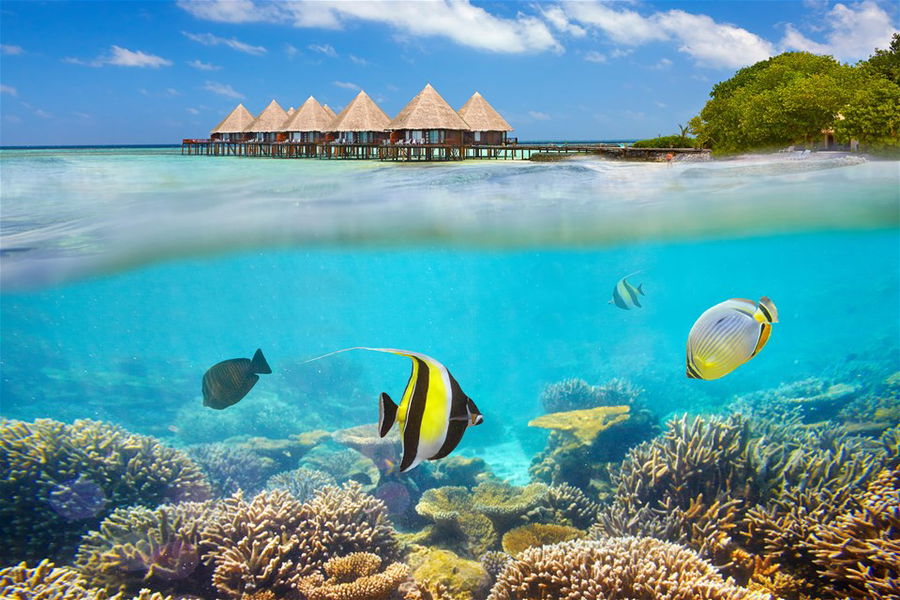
[[433, 413], [625, 295], [728, 335], [225, 383]]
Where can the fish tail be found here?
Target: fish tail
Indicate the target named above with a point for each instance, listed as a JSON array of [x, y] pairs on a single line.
[[258, 363], [387, 413], [766, 311], [640, 289]]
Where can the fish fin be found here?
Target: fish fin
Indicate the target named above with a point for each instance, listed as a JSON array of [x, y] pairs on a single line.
[[460, 418], [766, 311], [408, 461], [764, 333], [387, 414], [640, 288], [258, 364]]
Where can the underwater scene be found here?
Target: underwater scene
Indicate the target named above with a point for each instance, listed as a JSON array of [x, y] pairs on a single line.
[[238, 379]]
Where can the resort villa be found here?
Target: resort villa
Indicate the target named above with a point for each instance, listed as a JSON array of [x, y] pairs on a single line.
[[361, 122], [309, 123]]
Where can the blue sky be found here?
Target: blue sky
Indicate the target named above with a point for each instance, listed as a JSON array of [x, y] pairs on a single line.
[[154, 72]]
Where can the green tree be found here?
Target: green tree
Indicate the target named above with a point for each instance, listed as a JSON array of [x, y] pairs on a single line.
[[872, 116], [886, 63]]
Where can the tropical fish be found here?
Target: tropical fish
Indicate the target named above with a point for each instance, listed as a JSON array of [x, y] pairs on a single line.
[[625, 295], [225, 383], [433, 413], [728, 335]]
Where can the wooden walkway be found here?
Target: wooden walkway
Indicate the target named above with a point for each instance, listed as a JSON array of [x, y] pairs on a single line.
[[418, 152]]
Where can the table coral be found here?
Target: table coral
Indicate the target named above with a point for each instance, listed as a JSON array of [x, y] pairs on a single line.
[[584, 424], [48, 469], [537, 534], [353, 577], [614, 568]]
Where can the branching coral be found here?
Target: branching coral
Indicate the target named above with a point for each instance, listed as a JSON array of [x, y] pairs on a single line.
[[46, 582], [60, 480], [614, 568], [860, 551], [301, 483], [230, 469], [570, 506], [537, 534], [353, 577]]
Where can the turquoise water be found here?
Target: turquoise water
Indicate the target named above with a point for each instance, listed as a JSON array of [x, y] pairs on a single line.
[[126, 273]]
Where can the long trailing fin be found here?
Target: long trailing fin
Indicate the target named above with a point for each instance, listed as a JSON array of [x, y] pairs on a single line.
[[258, 363], [387, 414], [332, 354]]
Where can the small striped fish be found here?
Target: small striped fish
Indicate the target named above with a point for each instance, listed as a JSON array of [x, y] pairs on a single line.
[[625, 295], [728, 335], [227, 382]]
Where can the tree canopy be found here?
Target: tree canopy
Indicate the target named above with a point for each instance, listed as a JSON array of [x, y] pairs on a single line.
[[793, 97]]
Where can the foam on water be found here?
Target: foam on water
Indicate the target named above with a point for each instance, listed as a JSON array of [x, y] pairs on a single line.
[[68, 213]]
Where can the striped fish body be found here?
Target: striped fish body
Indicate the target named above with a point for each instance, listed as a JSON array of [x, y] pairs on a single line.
[[625, 295], [227, 382], [728, 335], [433, 413]]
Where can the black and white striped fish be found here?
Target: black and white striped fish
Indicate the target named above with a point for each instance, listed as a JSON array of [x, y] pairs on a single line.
[[625, 295], [728, 335], [227, 382], [433, 413]]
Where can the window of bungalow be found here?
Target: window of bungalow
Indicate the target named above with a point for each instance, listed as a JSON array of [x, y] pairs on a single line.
[[477, 136], [416, 134]]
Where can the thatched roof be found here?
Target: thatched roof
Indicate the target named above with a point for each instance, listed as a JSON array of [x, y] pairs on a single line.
[[428, 111], [291, 111], [481, 116], [362, 114], [309, 117], [236, 121], [329, 111], [269, 120]]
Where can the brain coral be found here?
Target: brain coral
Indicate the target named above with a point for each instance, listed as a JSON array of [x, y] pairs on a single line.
[[614, 568], [59, 480]]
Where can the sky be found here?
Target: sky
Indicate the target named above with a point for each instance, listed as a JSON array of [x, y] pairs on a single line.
[[130, 72]]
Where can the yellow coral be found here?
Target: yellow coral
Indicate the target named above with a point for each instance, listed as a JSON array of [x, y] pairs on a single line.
[[460, 579], [537, 534], [584, 424]]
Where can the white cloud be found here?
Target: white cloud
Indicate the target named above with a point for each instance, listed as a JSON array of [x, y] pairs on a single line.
[[538, 115], [8, 89], [595, 57], [84, 116], [11, 49], [621, 53], [291, 51], [556, 16], [193, 111], [208, 39], [326, 49], [222, 89], [852, 32], [708, 42], [457, 20], [357, 60], [664, 63], [122, 57], [42, 113], [346, 85], [202, 66]]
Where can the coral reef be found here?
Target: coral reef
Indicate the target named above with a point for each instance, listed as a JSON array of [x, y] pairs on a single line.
[[230, 469], [264, 415], [537, 534], [584, 424], [46, 582], [576, 394], [284, 452], [456, 523], [570, 506], [344, 465], [456, 578], [493, 562], [353, 577], [615, 568], [301, 483], [383, 451], [59, 480], [859, 552]]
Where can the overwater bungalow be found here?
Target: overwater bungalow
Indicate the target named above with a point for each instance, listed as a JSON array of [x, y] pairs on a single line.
[[329, 111], [361, 122], [267, 126], [488, 127], [308, 123], [428, 119], [232, 127]]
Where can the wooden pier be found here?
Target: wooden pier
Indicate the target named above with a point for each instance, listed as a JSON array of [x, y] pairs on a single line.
[[422, 152]]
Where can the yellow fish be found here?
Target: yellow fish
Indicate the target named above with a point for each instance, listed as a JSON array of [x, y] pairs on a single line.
[[433, 413], [728, 335]]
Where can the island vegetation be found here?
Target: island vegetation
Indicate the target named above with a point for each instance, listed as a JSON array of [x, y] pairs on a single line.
[[796, 98]]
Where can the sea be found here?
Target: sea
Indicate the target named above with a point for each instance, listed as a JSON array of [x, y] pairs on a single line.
[[126, 273]]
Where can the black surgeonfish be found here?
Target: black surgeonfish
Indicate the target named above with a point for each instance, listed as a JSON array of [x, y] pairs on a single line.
[[225, 383], [433, 413], [625, 295]]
